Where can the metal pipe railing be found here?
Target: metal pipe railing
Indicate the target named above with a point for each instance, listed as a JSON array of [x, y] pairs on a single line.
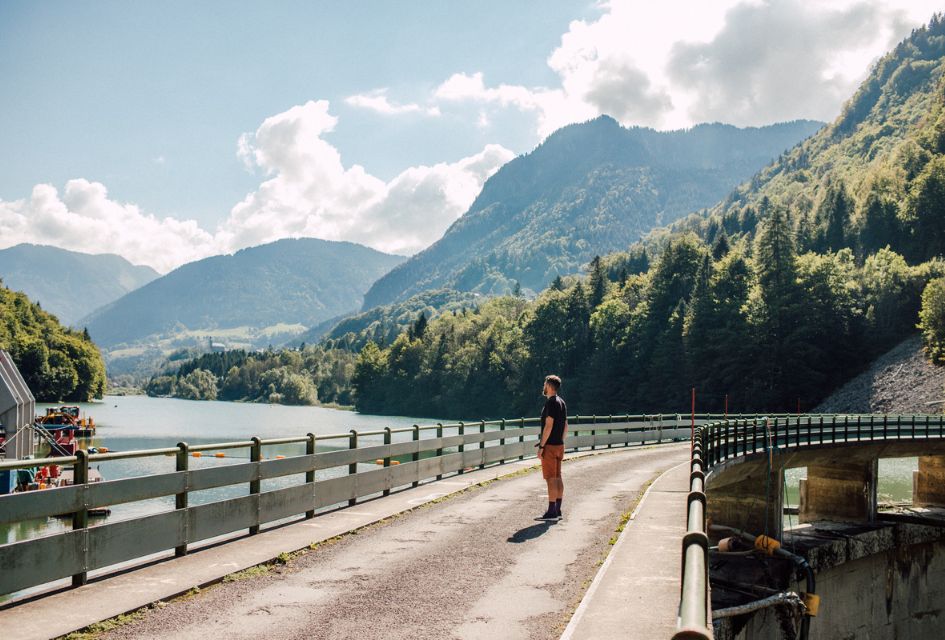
[[716, 442]]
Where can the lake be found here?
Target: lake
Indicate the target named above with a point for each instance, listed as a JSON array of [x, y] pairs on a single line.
[[125, 423]]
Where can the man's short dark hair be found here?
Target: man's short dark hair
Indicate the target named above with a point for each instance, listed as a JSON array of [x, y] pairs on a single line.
[[554, 381]]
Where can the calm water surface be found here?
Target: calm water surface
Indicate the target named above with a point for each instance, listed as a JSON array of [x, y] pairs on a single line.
[[125, 423]]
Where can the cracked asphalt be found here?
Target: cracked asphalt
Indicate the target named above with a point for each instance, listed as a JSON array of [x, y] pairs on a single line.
[[476, 565]]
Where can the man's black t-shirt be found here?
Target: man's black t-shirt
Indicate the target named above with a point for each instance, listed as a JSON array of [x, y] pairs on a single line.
[[557, 409]]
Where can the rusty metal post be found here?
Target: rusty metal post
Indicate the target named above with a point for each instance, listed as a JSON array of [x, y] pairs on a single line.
[[80, 519], [310, 475], [352, 466], [181, 499]]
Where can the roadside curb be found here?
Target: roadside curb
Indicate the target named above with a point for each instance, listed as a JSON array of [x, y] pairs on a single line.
[[578, 615]]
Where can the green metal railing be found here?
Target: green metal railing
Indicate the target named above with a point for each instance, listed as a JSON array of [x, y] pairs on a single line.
[[715, 442], [334, 475]]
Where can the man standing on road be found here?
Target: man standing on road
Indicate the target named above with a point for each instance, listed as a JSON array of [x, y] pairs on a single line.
[[554, 428]]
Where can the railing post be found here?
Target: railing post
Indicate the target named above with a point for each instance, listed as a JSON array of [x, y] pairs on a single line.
[[926, 427], [846, 428], [352, 466], [594, 432], [810, 428], [80, 519], [610, 431], [310, 474], [180, 499], [833, 430], [415, 456], [502, 441], [754, 435], [462, 445], [521, 437], [913, 427], [482, 442], [439, 450], [885, 426], [387, 440], [255, 455], [577, 432]]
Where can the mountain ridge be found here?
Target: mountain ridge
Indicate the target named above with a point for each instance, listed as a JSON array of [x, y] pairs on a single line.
[[70, 284], [588, 189], [301, 281]]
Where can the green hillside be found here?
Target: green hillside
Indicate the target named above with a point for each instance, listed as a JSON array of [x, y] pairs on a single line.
[[289, 282], [874, 177], [588, 189], [68, 284], [56, 362]]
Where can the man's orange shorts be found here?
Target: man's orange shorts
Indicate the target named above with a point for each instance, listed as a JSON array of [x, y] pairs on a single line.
[[551, 457]]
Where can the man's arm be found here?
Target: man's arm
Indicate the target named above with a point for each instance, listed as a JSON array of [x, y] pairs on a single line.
[[546, 432]]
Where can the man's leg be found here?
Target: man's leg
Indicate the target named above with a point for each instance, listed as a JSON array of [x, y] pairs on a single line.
[[559, 494], [547, 471]]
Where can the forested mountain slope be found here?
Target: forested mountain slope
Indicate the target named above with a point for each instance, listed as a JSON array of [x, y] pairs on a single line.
[[57, 363], [294, 281], [589, 189], [873, 177], [68, 284]]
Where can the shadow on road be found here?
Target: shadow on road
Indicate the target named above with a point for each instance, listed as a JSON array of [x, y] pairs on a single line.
[[530, 533]]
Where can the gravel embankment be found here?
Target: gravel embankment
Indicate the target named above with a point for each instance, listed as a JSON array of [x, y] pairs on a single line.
[[901, 381]]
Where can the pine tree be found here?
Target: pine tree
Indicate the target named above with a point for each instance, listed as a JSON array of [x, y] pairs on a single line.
[[833, 218], [780, 316], [598, 282], [721, 246]]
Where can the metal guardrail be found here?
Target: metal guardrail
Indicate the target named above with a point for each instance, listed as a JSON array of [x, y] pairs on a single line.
[[406, 460], [717, 441]]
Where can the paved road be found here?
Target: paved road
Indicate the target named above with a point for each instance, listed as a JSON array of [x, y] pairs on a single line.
[[473, 566]]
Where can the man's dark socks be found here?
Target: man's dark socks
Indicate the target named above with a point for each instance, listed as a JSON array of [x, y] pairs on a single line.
[[558, 507]]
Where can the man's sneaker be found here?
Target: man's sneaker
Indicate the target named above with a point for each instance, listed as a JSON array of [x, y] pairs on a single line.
[[548, 515]]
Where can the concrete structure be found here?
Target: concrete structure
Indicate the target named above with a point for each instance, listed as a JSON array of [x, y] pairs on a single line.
[[928, 483], [17, 410], [747, 492], [881, 581]]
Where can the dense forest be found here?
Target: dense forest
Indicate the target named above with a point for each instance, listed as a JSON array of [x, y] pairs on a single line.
[[56, 362], [309, 375], [757, 322]]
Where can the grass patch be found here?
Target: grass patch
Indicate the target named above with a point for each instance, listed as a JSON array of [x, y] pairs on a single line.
[[95, 630]]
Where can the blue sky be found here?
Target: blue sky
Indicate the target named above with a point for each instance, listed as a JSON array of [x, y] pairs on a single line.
[[169, 131], [106, 90]]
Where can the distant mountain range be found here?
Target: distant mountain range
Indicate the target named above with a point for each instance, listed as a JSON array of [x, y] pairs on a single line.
[[299, 282], [589, 189], [70, 285]]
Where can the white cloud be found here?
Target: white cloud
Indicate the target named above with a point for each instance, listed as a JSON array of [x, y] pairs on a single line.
[[675, 63], [378, 102], [312, 193], [84, 219], [308, 192]]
